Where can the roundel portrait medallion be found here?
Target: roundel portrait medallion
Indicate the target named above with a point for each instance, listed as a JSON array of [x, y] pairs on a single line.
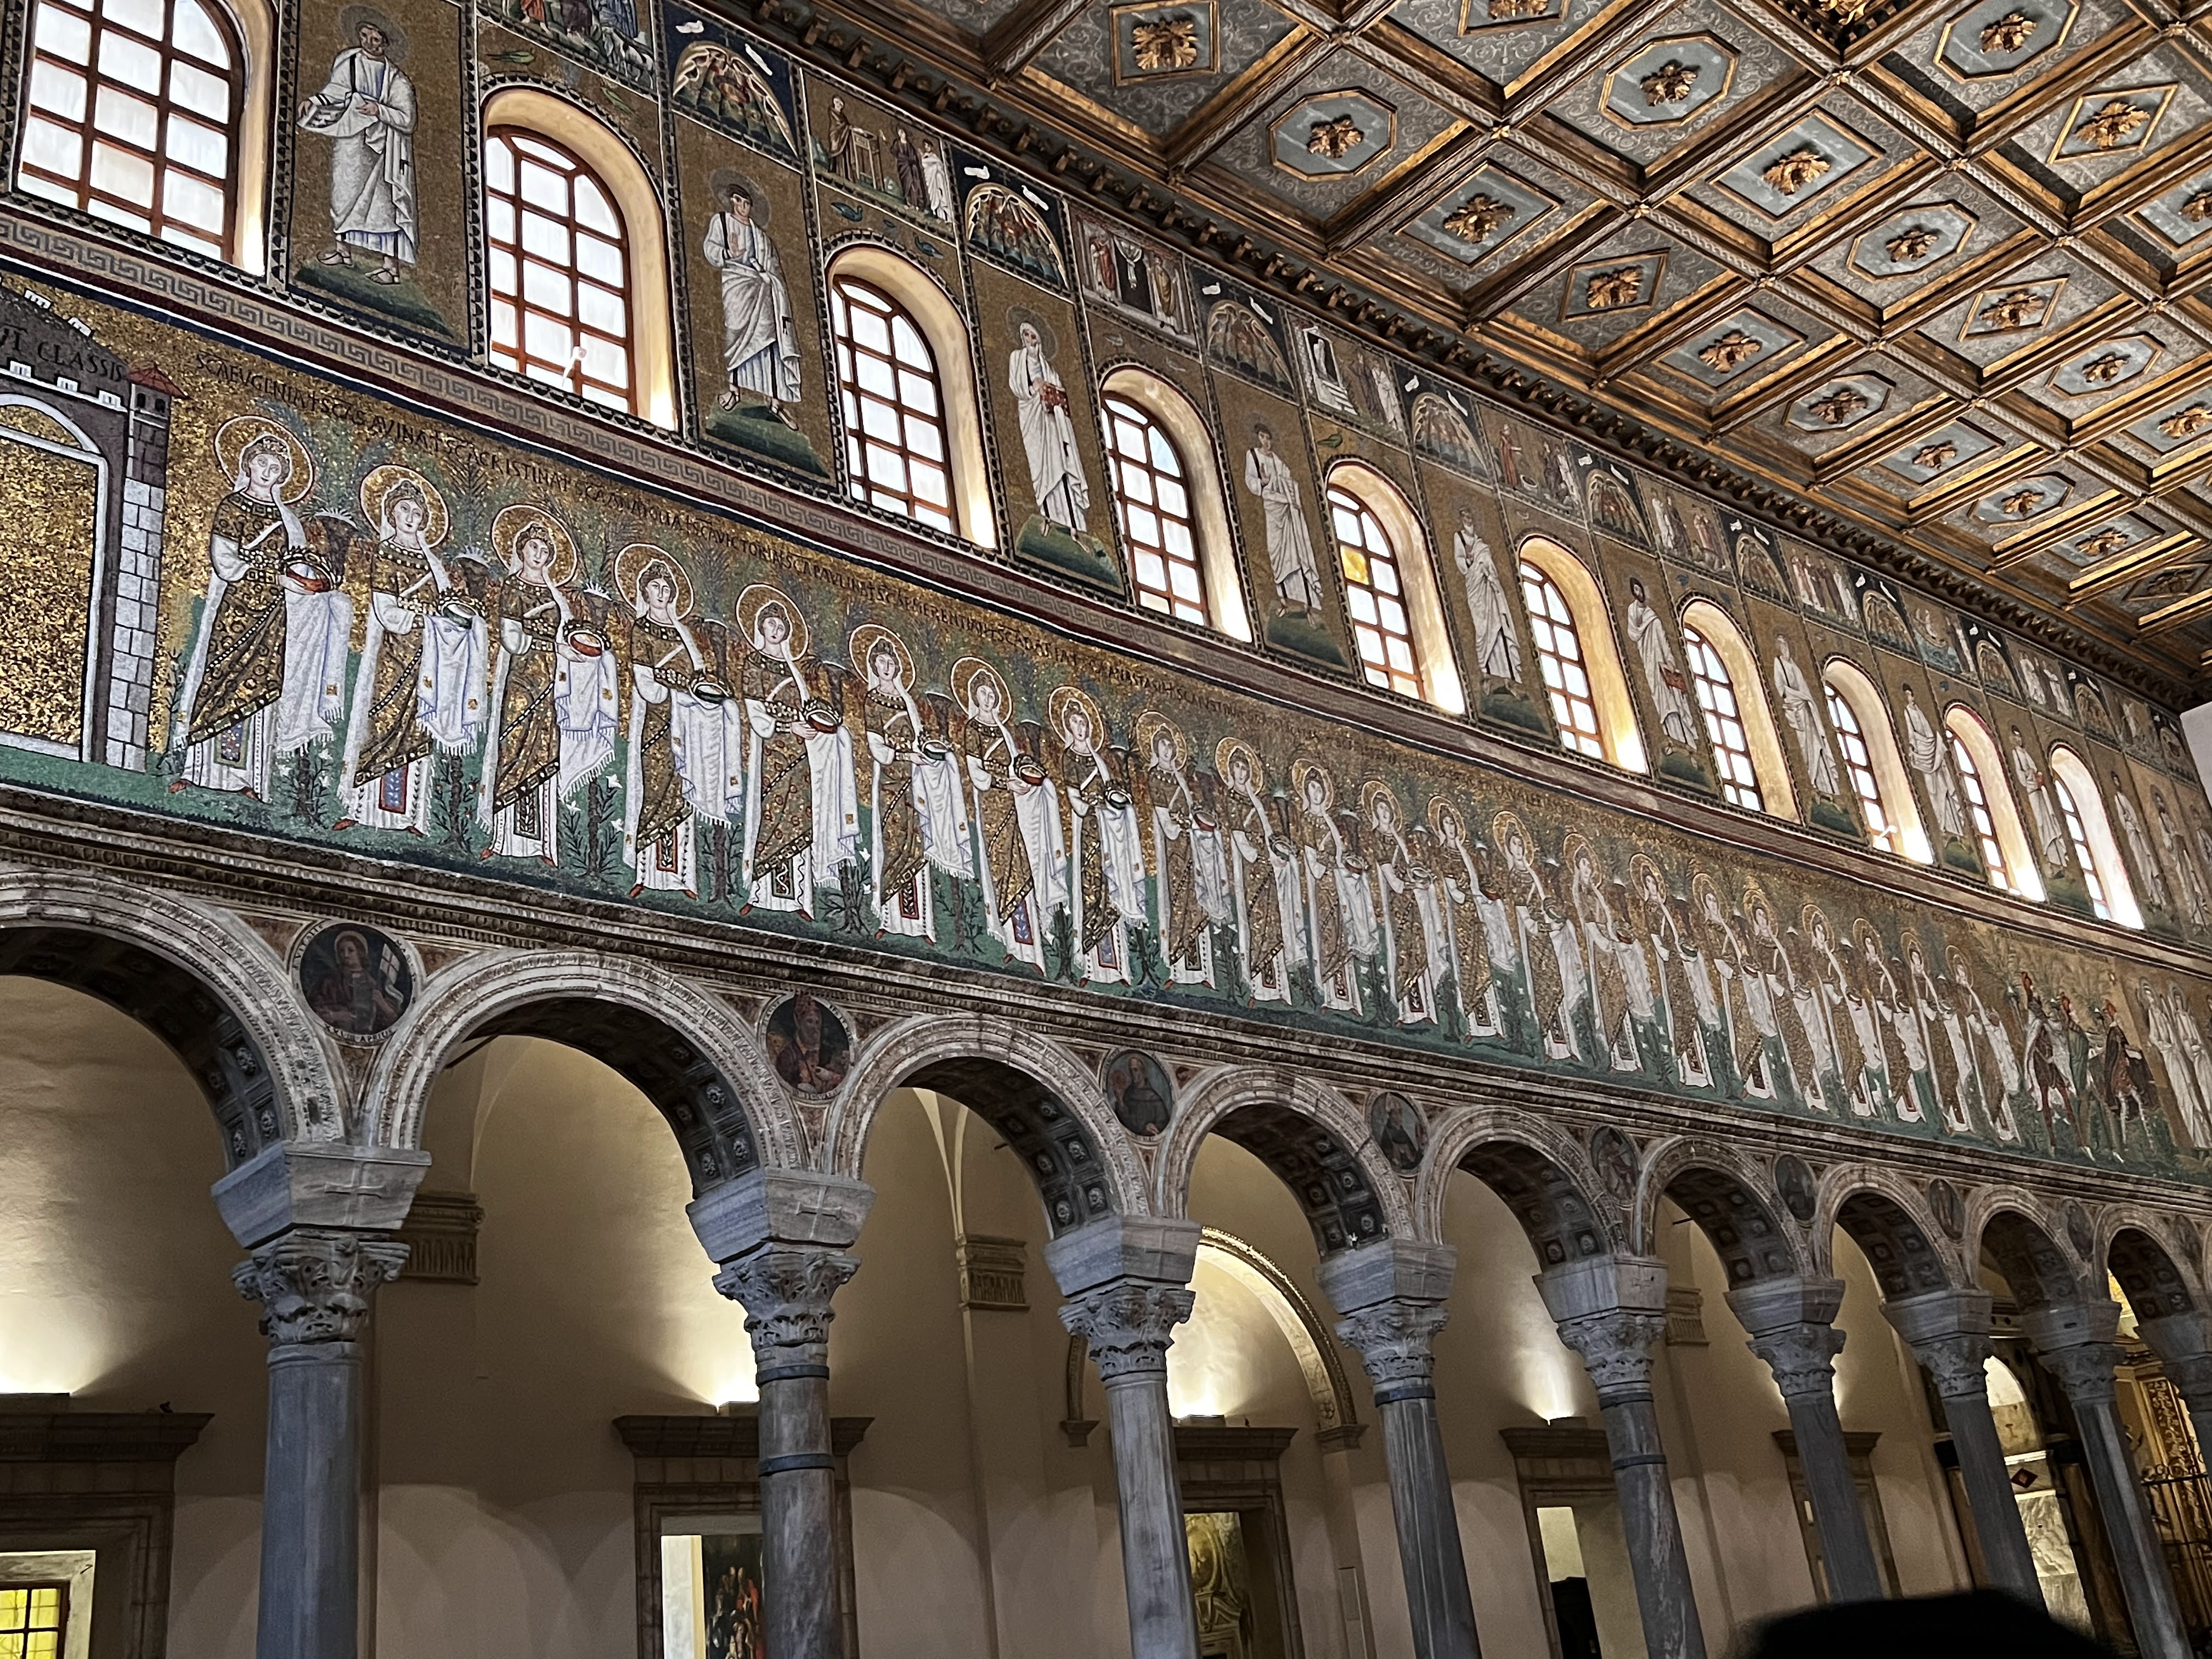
[[357, 979]]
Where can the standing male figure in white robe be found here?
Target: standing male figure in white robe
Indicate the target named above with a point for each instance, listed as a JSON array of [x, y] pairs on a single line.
[[1290, 544], [1925, 750], [367, 110], [1803, 715], [1662, 674], [1497, 646], [1048, 434], [760, 343]]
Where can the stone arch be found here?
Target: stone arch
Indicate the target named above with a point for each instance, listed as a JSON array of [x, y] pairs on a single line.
[[683, 1048], [200, 980], [2138, 1247], [1046, 1102], [1542, 1174], [1890, 1222], [1300, 1323], [2023, 1240], [1305, 1131], [1730, 1198]]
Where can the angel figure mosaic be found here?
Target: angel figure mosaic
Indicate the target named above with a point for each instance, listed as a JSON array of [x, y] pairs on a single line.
[[419, 686], [917, 806], [1019, 845], [686, 749], [557, 687], [266, 675], [802, 812]]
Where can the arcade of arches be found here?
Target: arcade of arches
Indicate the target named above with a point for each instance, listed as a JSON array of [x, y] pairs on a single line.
[[788, 872]]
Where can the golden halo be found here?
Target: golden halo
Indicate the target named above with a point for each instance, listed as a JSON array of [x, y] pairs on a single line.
[[1372, 788], [1439, 810], [862, 646], [377, 488], [1506, 825], [1302, 768], [1755, 897], [514, 523], [1807, 916], [1065, 700], [1908, 941], [241, 432], [631, 566], [1575, 844], [968, 673], [1150, 724], [1641, 865], [1228, 749], [760, 597]]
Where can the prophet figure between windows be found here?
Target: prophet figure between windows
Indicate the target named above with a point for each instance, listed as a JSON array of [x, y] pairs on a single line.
[[1264, 875], [2148, 877], [1663, 670], [760, 342], [1106, 857], [1056, 477], [802, 820], [266, 677], [2034, 785], [1497, 642], [917, 810], [687, 733], [1289, 542], [2196, 902], [556, 687], [419, 687], [1803, 713], [1339, 905], [1926, 753], [1017, 816], [1191, 879], [1412, 921], [367, 110]]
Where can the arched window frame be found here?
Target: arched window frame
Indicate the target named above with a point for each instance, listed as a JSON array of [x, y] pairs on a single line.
[[1768, 762], [1908, 837], [946, 334], [1409, 543], [2090, 828], [637, 202], [2023, 874], [1618, 733], [252, 33], [1193, 441]]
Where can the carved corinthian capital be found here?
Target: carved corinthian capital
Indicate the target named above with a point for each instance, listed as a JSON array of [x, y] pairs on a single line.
[[1615, 1346], [2084, 1369], [1128, 1325], [786, 1292], [1802, 1357], [1392, 1340], [313, 1284], [1958, 1363]]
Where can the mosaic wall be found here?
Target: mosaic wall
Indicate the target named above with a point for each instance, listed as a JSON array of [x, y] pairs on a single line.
[[372, 631], [269, 601]]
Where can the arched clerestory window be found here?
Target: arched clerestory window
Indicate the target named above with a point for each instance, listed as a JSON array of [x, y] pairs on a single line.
[[1872, 763], [576, 268], [1574, 652], [1724, 676], [151, 114], [1992, 814], [906, 396], [1390, 588], [1168, 495], [2095, 848]]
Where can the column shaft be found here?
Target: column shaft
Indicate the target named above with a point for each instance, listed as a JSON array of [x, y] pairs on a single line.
[[1990, 1497], [1429, 1548], [1853, 1574], [2135, 1548]]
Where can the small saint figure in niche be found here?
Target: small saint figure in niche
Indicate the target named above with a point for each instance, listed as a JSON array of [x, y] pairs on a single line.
[[1290, 542], [1055, 464], [1497, 642], [356, 981], [366, 108], [1400, 1132], [809, 1044], [760, 342]]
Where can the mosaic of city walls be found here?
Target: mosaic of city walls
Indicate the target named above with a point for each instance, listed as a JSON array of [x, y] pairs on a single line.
[[253, 597]]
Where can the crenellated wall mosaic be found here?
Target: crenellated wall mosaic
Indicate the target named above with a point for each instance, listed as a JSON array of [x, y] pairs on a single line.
[[280, 605], [271, 600]]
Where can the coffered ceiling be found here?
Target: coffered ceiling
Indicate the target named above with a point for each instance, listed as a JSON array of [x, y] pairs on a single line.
[[1937, 268]]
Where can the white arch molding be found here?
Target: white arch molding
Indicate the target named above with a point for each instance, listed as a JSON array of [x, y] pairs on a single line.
[[1409, 539], [1870, 709], [1195, 446], [1311, 1344], [1616, 710], [2022, 862], [1718, 629], [946, 331], [2069, 769], [638, 199]]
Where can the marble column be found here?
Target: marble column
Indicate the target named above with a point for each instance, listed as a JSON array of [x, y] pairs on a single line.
[[318, 1221], [2075, 1343], [1391, 1297], [1790, 1323], [1126, 1281], [2182, 1343], [1949, 1332], [1610, 1311], [780, 1238]]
